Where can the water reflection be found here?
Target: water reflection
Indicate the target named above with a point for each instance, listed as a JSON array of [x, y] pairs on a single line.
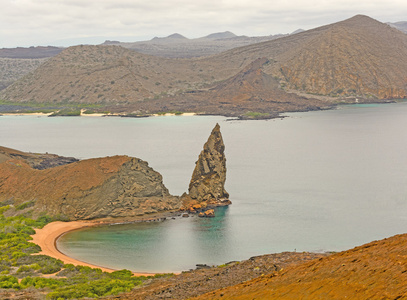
[[211, 237]]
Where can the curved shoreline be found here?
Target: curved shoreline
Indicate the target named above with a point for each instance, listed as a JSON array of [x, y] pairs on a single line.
[[47, 237]]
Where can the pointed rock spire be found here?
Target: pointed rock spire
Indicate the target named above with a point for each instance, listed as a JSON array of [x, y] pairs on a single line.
[[209, 176]]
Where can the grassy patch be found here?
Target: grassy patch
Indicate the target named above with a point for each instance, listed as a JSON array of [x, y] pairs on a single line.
[[49, 105], [175, 112], [256, 115], [66, 113]]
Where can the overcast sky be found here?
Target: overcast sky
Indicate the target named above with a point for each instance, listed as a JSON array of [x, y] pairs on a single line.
[[68, 22]]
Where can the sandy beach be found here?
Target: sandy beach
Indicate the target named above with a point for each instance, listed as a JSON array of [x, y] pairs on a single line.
[[91, 115], [26, 114], [47, 236]]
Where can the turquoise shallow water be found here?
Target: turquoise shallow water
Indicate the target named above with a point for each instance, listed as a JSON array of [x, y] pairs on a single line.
[[315, 181]]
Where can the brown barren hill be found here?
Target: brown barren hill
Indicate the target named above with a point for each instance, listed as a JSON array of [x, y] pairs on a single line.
[[359, 56], [377, 270], [118, 186], [359, 59], [106, 75]]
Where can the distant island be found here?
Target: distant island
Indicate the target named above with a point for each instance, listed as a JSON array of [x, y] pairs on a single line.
[[359, 60]]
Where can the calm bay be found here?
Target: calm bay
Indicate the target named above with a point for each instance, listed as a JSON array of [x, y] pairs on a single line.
[[315, 181]]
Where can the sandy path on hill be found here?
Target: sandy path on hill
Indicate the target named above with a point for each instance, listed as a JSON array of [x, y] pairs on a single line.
[[47, 236]]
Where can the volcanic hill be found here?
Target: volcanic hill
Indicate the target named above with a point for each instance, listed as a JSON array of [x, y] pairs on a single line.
[[359, 59]]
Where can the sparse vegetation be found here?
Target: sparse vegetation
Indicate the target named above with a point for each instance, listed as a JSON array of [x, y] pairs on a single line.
[[12, 69], [256, 115], [175, 112], [69, 282], [59, 109], [25, 205], [66, 112]]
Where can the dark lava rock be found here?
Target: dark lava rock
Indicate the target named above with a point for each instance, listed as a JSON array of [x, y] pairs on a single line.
[[209, 176]]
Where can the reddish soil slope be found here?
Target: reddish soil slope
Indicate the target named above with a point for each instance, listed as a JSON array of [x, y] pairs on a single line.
[[377, 270]]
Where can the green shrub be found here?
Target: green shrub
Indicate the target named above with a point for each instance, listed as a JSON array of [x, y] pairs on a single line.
[[25, 269], [40, 282], [48, 265], [8, 282], [25, 205], [66, 113], [93, 289]]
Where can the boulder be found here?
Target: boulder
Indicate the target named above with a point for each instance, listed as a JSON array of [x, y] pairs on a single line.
[[210, 213]]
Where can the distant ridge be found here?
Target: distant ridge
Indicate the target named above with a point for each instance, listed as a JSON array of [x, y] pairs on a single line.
[[402, 26], [221, 35], [297, 31], [182, 47], [174, 36], [31, 52]]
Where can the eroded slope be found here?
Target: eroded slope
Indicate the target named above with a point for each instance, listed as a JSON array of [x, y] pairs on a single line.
[[118, 186]]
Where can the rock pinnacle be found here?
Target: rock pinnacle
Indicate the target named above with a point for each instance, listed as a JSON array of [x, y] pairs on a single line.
[[209, 176]]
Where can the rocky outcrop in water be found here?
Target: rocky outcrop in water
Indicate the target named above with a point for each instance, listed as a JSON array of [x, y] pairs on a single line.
[[209, 176]]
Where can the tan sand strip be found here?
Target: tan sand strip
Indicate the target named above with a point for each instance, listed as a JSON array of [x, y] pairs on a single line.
[[47, 236]]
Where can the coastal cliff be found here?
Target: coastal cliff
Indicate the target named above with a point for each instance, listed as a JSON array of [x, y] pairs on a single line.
[[118, 186]]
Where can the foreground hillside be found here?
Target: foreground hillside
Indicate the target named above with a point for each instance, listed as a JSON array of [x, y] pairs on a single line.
[[204, 279], [377, 270], [359, 59]]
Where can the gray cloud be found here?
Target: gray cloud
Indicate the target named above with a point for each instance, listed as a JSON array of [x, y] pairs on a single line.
[[42, 22]]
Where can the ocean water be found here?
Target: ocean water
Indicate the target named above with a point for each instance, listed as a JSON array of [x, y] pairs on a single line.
[[315, 181]]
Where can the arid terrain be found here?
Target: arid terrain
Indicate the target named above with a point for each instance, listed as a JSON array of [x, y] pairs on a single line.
[[356, 60], [204, 279], [377, 270], [17, 62], [11, 69]]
